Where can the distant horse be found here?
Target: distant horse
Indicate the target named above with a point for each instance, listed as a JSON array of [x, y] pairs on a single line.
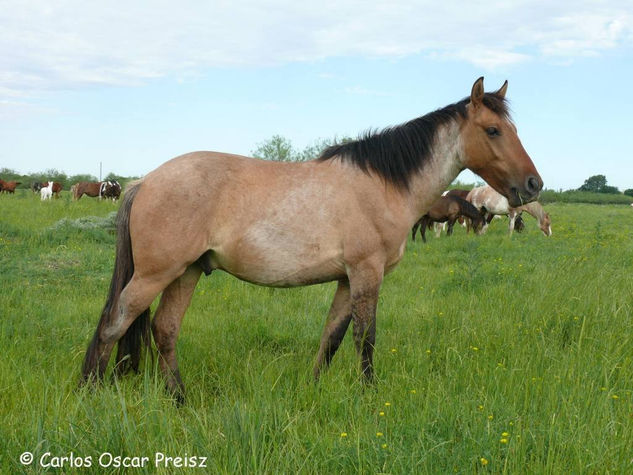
[[255, 219], [465, 222], [46, 192], [111, 189], [88, 188], [487, 200], [447, 209], [8, 186], [56, 187], [535, 209], [36, 186]]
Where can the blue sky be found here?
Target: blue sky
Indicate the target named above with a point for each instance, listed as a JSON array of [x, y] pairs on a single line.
[[134, 85]]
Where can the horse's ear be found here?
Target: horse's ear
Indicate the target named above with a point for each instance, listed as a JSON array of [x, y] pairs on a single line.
[[502, 90], [477, 93]]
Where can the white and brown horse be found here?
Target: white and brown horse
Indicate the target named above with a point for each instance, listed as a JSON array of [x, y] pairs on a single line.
[[55, 187], [490, 202], [364, 197]]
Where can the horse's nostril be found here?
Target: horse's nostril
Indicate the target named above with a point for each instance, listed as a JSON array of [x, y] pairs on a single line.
[[533, 184]]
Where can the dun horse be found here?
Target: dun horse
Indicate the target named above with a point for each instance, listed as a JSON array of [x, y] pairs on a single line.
[[364, 196], [447, 209], [486, 199]]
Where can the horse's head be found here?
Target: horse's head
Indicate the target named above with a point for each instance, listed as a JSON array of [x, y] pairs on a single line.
[[493, 149], [546, 225]]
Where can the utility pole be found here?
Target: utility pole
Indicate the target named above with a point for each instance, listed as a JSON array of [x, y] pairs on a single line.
[[100, 170]]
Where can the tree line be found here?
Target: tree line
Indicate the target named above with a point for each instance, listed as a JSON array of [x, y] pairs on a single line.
[[52, 174], [277, 148]]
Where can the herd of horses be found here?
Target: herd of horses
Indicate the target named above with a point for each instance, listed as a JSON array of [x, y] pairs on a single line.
[[475, 209], [109, 189], [363, 196]]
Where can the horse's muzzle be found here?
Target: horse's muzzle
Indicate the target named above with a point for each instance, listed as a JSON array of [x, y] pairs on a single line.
[[531, 189]]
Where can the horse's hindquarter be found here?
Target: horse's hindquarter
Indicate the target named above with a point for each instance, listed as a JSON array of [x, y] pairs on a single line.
[[277, 224]]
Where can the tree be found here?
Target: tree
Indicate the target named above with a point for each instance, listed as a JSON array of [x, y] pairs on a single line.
[[277, 148], [611, 190], [280, 149], [594, 183], [628, 192]]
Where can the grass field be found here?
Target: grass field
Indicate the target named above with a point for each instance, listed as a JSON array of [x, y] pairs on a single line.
[[494, 355]]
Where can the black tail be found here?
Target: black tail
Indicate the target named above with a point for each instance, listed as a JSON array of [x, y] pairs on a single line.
[[130, 348]]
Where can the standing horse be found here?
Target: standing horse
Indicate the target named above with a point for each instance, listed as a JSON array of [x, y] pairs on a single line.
[[46, 192], [89, 188], [55, 189], [36, 186], [447, 209], [8, 186], [111, 189], [363, 196], [489, 201]]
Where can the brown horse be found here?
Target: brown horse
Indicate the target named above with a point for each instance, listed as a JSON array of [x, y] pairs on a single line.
[[364, 196], [88, 188], [8, 186], [447, 209]]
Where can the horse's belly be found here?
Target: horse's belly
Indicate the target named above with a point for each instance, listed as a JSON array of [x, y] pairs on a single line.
[[274, 259]]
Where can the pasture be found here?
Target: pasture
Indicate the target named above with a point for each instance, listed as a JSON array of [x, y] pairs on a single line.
[[493, 354]]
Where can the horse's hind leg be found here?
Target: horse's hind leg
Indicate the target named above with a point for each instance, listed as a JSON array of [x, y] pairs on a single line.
[[166, 326], [335, 326], [424, 224], [134, 300]]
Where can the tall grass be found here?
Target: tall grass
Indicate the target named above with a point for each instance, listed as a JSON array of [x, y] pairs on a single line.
[[494, 354]]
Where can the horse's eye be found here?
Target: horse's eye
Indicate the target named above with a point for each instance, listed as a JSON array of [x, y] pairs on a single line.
[[492, 132]]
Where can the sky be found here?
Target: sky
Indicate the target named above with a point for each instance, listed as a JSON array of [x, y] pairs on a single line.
[[129, 85]]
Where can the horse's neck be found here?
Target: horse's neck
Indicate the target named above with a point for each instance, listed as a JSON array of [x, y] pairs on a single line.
[[443, 165], [535, 210]]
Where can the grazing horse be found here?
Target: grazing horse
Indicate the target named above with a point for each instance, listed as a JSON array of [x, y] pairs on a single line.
[[8, 186], [363, 196], [536, 209], [46, 192], [447, 209], [489, 201]]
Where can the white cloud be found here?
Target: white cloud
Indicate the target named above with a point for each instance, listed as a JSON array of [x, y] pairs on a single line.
[[71, 43]]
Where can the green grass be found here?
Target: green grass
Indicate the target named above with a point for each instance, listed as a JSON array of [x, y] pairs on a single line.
[[477, 337]]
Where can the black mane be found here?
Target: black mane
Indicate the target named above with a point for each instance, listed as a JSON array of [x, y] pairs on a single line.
[[396, 153]]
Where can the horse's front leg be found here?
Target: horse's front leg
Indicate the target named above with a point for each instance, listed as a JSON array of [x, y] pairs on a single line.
[[365, 280], [335, 326], [512, 215], [451, 223]]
